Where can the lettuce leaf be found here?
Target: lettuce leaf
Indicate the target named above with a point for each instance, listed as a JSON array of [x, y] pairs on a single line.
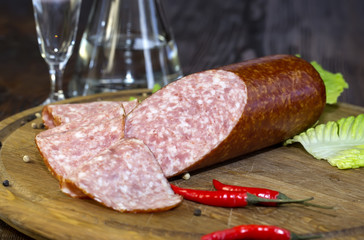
[[156, 87], [334, 83], [132, 98], [341, 143]]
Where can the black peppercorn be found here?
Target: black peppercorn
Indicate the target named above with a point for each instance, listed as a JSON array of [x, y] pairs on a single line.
[[197, 212], [6, 183]]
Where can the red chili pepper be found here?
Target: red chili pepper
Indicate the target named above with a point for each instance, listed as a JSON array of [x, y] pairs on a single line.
[[260, 192], [227, 198], [255, 232]]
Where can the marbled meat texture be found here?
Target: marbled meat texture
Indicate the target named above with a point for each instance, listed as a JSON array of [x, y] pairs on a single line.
[[188, 118], [127, 178], [59, 114], [65, 151], [216, 115]]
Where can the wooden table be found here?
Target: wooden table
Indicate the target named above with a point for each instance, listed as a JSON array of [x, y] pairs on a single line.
[[208, 35]]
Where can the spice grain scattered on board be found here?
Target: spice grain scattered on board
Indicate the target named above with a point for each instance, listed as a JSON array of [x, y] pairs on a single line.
[[186, 176], [197, 212], [6, 183], [26, 158]]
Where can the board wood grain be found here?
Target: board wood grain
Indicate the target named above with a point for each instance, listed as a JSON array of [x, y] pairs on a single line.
[[34, 205]]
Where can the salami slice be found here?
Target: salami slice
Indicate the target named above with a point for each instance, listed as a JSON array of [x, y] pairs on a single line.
[[58, 114], [130, 105], [85, 120], [65, 151], [127, 178], [215, 115]]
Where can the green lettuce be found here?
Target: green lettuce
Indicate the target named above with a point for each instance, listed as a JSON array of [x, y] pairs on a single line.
[[341, 143], [155, 88], [334, 83], [132, 98]]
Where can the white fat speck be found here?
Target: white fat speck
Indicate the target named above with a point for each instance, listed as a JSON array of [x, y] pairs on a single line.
[[79, 135], [59, 157], [125, 177], [100, 181], [154, 110], [123, 188], [67, 169], [81, 175], [129, 165], [121, 206]]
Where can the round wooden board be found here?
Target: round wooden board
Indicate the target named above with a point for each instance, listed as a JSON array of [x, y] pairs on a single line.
[[34, 205]]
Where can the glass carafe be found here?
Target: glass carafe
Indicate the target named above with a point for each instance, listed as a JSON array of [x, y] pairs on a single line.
[[127, 44]]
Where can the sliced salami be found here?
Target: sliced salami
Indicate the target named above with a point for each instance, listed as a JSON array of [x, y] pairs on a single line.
[[215, 115], [58, 114], [65, 151], [85, 120], [127, 178], [129, 106]]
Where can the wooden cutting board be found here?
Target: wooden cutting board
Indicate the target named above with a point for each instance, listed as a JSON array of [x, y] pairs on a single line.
[[34, 205]]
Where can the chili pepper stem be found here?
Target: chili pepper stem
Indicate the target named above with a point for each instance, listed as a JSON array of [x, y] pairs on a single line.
[[252, 199], [303, 237], [282, 196], [317, 205]]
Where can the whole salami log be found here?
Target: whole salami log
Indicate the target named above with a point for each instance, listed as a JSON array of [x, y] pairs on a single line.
[[127, 178], [219, 114]]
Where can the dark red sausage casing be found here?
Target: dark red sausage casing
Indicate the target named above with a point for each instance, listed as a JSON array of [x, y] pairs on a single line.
[[219, 114]]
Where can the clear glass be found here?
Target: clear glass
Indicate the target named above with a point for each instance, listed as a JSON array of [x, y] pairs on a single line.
[[126, 45], [56, 25]]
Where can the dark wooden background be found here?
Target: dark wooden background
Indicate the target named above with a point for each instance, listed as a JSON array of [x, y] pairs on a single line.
[[208, 34]]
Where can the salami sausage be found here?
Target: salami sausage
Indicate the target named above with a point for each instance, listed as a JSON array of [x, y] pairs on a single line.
[[127, 178], [66, 150], [219, 114], [58, 114], [130, 105], [81, 118]]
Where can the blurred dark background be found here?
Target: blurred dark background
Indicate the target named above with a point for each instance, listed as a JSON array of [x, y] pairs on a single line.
[[208, 34]]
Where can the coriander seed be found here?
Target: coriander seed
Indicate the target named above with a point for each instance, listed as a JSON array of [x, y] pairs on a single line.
[[26, 158], [186, 176]]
